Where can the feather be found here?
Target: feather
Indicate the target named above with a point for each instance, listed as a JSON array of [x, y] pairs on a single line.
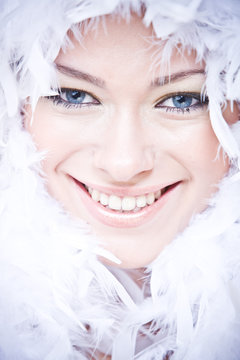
[[57, 300]]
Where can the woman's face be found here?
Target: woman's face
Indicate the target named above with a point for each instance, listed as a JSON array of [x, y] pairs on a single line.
[[128, 151]]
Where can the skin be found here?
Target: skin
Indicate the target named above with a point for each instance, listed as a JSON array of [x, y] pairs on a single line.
[[126, 141]]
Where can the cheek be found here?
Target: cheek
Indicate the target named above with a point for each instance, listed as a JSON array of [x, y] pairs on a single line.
[[46, 136], [202, 146], [204, 159], [38, 126], [196, 148], [206, 146]]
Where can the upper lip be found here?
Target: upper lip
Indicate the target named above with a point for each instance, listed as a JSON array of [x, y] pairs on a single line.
[[128, 190]]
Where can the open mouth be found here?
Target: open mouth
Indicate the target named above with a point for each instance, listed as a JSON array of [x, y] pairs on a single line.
[[126, 204], [120, 210]]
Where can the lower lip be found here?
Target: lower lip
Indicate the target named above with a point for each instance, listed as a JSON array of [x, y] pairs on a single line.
[[122, 220]]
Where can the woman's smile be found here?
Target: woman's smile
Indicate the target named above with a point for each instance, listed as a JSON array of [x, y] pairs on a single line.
[[121, 207]]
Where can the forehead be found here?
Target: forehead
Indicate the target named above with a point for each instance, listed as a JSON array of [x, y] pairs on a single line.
[[126, 47], [111, 32]]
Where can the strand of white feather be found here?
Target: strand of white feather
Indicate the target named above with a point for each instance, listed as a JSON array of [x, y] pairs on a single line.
[[166, 19], [202, 266], [8, 83], [216, 100], [182, 245], [190, 259], [108, 281]]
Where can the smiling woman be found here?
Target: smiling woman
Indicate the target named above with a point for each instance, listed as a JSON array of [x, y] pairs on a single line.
[[122, 161], [125, 149]]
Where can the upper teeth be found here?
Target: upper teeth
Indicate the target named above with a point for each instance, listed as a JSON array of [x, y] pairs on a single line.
[[126, 203]]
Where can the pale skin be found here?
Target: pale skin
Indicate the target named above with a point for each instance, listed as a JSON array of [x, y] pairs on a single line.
[[127, 134]]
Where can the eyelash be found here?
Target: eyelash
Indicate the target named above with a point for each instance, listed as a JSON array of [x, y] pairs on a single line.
[[201, 102], [58, 100]]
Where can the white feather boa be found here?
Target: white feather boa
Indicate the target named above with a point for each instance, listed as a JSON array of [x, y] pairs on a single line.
[[57, 300]]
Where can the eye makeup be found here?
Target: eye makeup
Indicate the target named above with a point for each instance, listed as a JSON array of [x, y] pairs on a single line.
[[73, 98], [182, 102]]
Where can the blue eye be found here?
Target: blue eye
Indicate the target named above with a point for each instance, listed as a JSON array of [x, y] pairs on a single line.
[[73, 98], [77, 97], [182, 102]]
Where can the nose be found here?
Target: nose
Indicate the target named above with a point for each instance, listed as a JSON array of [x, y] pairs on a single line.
[[125, 153]]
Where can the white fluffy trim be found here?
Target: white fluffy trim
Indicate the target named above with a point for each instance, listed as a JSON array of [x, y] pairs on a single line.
[[57, 301]]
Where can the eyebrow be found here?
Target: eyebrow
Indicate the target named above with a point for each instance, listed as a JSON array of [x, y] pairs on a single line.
[[77, 74], [163, 80], [159, 81]]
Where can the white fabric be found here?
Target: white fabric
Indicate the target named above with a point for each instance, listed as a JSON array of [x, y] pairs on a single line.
[[57, 301]]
